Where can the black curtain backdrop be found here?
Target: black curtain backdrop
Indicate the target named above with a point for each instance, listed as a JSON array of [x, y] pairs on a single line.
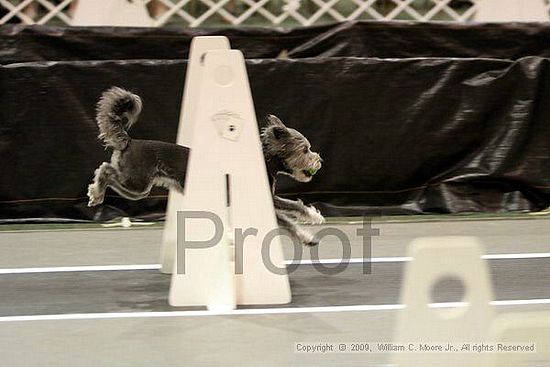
[[19, 43], [428, 125]]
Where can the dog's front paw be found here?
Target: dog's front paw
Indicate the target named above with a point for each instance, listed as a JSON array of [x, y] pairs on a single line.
[[94, 198], [310, 240], [314, 216], [313, 242], [94, 202]]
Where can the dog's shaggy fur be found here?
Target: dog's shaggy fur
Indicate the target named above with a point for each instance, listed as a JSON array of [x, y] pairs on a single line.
[[288, 152], [138, 165]]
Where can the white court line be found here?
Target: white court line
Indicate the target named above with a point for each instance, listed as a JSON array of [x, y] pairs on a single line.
[[70, 269], [527, 255], [357, 260], [258, 311], [397, 259]]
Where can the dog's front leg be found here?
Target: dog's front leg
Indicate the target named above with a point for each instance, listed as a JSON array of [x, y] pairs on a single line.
[[287, 223], [297, 209]]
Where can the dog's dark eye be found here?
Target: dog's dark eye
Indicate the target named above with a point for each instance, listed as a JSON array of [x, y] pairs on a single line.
[[306, 149]]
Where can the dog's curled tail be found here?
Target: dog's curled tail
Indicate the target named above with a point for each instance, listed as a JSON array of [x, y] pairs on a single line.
[[117, 110]]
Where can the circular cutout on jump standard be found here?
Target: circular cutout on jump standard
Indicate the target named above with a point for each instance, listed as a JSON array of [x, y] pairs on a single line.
[[449, 289]]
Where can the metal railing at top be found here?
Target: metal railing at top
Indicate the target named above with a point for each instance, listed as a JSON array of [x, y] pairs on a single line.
[[194, 13]]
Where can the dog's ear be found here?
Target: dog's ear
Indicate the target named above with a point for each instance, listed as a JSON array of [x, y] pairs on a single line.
[[280, 132], [273, 120]]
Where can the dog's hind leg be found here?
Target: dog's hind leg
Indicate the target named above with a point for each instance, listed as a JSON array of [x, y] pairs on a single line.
[[96, 190], [297, 209], [107, 176], [287, 223], [126, 193]]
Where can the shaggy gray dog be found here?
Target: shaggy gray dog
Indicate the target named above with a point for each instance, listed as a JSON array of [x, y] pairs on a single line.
[[288, 152], [138, 165]]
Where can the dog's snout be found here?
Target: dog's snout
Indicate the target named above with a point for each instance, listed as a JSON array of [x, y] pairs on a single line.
[[318, 161]]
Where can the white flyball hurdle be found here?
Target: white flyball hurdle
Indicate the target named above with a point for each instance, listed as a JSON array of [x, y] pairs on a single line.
[[227, 177], [433, 259], [473, 319]]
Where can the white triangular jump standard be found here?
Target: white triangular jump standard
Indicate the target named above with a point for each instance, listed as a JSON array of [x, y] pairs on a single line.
[[435, 258], [199, 46], [226, 179]]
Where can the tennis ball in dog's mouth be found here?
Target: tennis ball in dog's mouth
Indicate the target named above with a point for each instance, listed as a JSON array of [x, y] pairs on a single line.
[[312, 171]]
